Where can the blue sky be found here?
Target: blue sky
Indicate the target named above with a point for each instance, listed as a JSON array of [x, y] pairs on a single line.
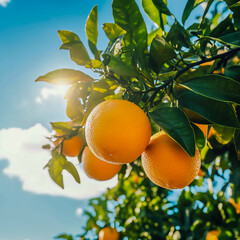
[[31, 206]]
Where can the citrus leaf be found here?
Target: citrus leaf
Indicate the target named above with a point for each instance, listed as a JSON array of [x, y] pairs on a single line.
[[128, 16], [232, 38], [72, 170], [153, 34], [68, 36], [199, 136], [113, 31], [223, 134], [74, 109], [215, 111], [92, 31], [191, 4], [233, 72], [160, 53], [65, 76], [151, 10], [162, 7], [175, 123], [61, 127], [215, 86], [64, 236], [237, 142]]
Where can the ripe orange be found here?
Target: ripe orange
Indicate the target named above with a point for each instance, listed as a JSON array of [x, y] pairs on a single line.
[[117, 131], [72, 147], [236, 205], [108, 233], [96, 168], [213, 235], [167, 164], [201, 173]]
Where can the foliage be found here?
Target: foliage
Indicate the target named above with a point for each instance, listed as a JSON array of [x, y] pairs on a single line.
[[180, 76]]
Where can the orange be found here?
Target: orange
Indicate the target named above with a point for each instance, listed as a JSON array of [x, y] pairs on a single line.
[[108, 233], [96, 168], [201, 173], [117, 131], [135, 178], [212, 235], [204, 128], [236, 205], [72, 147], [167, 164]]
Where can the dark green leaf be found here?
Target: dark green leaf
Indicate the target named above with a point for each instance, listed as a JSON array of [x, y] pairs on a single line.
[[160, 53], [233, 38], [128, 16], [175, 123], [65, 76], [191, 4], [72, 170], [74, 109], [61, 127], [113, 31], [233, 72], [209, 3], [162, 7], [199, 136], [215, 86], [237, 142], [178, 36], [215, 111], [223, 134], [92, 31]]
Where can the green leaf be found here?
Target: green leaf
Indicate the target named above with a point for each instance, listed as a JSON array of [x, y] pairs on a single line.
[[215, 86], [153, 34], [233, 38], [162, 7], [61, 127], [237, 142], [92, 31], [128, 16], [122, 68], [72, 170], [65, 76], [215, 111], [191, 4], [64, 236], [77, 50], [235, 5], [160, 53], [113, 31], [178, 36], [233, 72], [175, 123], [95, 64], [152, 11], [223, 134], [199, 136], [74, 109]]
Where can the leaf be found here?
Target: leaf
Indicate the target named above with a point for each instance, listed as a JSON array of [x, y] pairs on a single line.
[[191, 4], [233, 72], [77, 50], [64, 236], [113, 31], [61, 127], [72, 170], [162, 7], [237, 142], [233, 38], [175, 123], [151, 10], [223, 134], [215, 86], [92, 31], [215, 111], [199, 136], [178, 36], [74, 109], [153, 34], [95, 64], [65, 76], [128, 16], [55, 172], [160, 53]]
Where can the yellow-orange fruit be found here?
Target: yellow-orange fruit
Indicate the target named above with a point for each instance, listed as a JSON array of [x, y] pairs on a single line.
[[72, 147], [96, 168], [201, 173], [135, 178], [204, 128], [108, 233], [212, 235], [236, 205], [167, 164], [117, 131]]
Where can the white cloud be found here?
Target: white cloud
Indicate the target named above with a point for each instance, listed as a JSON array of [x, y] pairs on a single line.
[[22, 149], [4, 2], [46, 93], [79, 212]]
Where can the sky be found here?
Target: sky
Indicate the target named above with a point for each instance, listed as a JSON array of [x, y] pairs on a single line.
[[32, 207]]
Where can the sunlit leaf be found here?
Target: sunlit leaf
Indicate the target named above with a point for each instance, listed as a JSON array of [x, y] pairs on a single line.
[[223, 134], [72, 170], [175, 123], [61, 127], [237, 142], [65, 76], [113, 31], [153, 34]]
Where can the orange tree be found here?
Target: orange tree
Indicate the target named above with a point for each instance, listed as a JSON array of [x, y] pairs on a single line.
[[186, 80]]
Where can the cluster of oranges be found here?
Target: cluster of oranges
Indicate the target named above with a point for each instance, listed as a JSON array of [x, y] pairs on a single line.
[[118, 132]]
